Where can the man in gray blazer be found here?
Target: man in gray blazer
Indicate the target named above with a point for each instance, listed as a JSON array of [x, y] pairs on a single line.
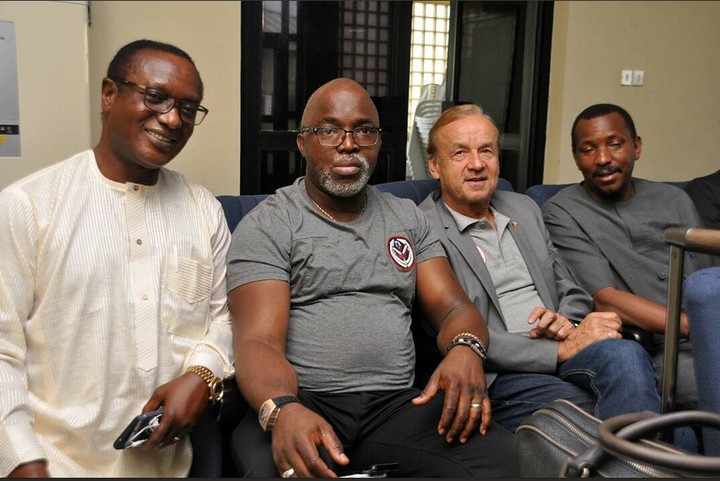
[[545, 343]]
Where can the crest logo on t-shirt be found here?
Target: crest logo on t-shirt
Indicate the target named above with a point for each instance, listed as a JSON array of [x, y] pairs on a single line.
[[401, 252]]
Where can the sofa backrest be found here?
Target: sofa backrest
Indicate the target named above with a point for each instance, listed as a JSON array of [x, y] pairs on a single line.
[[236, 206], [540, 193]]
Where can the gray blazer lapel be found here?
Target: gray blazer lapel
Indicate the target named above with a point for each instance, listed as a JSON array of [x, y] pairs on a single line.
[[466, 247]]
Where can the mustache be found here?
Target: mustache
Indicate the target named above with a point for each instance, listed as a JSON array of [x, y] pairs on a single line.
[[352, 158], [605, 171]]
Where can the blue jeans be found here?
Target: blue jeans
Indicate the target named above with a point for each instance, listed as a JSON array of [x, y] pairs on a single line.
[[607, 378], [702, 304]]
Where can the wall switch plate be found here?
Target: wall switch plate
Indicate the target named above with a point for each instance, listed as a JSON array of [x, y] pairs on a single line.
[[638, 77], [626, 77]]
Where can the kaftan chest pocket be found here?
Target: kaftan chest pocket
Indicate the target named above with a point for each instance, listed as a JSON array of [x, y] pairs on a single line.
[[187, 285]]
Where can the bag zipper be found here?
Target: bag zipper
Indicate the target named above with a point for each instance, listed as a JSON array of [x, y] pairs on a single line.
[[590, 440]]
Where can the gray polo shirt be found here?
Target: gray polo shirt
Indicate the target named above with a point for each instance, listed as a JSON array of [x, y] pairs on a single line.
[[513, 285]]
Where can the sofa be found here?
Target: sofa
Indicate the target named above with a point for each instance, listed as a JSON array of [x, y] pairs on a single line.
[[217, 427], [540, 193], [236, 206]]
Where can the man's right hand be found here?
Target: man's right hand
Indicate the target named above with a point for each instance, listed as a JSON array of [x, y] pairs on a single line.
[[597, 326], [33, 469], [296, 436]]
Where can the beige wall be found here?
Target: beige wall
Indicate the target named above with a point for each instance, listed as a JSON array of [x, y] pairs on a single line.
[[676, 112], [51, 41], [210, 32], [675, 43]]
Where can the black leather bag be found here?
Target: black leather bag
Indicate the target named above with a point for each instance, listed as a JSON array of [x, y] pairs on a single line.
[[562, 440]]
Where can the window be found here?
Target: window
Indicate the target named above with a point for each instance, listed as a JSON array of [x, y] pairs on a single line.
[[365, 45], [428, 49]]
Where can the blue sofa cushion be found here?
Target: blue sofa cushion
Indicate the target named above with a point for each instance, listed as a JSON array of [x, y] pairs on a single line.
[[540, 193], [236, 206]]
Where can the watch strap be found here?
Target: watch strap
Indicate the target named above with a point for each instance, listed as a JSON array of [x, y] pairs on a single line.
[[274, 405], [282, 400]]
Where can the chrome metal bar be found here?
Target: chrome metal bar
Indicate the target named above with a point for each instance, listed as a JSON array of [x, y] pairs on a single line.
[[680, 239], [694, 239], [672, 327]]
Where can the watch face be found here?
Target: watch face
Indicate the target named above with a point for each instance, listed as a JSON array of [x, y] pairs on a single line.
[[264, 414], [218, 391]]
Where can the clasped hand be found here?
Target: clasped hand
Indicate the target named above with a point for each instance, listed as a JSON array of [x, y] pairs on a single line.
[[596, 326]]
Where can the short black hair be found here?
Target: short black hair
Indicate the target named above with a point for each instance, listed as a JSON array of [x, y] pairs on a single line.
[[123, 59], [599, 110]]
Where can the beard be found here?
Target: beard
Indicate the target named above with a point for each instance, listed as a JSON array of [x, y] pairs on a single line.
[[605, 191], [607, 194], [337, 189]]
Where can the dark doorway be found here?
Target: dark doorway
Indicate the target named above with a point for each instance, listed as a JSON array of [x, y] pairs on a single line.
[[289, 48], [500, 59]]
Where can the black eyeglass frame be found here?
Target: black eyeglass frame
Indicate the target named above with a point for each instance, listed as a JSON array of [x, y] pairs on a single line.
[[315, 130], [144, 89]]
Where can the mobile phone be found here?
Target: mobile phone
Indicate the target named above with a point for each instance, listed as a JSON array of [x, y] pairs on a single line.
[[375, 471], [139, 429]]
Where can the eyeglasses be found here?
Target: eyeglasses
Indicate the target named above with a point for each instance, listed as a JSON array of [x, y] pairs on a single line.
[[334, 136], [160, 102]]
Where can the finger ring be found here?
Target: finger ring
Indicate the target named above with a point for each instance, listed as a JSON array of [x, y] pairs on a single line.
[[288, 473], [475, 405]]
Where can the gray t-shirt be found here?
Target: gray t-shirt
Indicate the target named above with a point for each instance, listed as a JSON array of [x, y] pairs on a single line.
[[621, 245], [351, 285]]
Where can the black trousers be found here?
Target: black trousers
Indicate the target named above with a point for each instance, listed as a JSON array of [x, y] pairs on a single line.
[[384, 427]]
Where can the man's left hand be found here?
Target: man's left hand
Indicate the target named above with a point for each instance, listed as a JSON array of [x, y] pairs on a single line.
[[462, 376], [550, 324], [184, 399]]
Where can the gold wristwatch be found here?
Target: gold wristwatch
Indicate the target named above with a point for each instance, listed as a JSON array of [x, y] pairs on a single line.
[[214, 383], [270, 409]]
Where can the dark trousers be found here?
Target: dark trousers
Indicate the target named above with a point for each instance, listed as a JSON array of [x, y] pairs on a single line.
[[384, 427]]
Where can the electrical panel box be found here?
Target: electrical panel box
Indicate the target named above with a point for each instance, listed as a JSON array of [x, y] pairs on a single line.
[[9, 100]]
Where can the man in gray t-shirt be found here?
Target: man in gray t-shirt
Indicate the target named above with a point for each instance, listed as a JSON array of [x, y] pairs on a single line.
[[609, 229], [344, 285], [321, 279]]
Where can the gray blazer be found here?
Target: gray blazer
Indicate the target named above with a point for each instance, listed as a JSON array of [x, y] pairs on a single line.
[[553, 281]]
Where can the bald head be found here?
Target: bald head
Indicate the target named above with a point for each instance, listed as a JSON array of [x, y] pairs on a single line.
[[333, 96]]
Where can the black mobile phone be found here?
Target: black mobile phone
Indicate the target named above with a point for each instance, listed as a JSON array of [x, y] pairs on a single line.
[[139, 429], [375, 471]]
